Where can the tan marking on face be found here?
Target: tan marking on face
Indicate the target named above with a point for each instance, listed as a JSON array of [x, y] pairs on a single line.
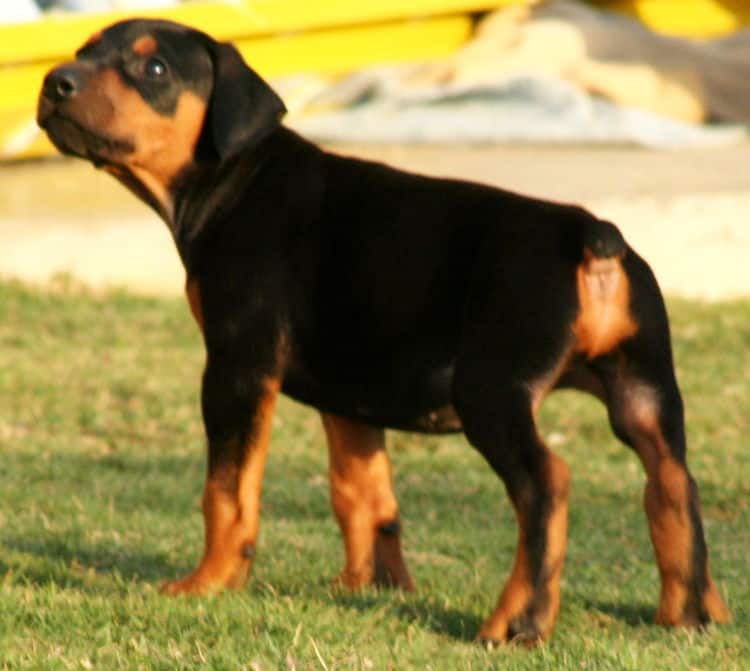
[[604, 320], [363, 499], [231, 510], [145, 46], [163, 145]]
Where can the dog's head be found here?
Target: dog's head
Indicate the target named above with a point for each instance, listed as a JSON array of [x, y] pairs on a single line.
[[148, 99]]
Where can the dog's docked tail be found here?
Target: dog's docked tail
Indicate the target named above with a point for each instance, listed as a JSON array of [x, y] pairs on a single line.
[[604, 318], [602, 239]]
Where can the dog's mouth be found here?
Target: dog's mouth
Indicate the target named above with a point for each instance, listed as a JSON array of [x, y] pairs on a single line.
[[73, 138]]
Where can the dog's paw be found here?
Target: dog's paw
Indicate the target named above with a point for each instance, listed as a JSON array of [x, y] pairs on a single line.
[[528, 628], [696, 613], [204, 581], [525, 631], [190, 584]]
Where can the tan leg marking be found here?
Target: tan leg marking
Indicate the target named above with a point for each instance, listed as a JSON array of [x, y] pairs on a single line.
[[231, 510], [557, 538], [714, 604], [363, 501], [667, 502], [519, 591], [163, 145]]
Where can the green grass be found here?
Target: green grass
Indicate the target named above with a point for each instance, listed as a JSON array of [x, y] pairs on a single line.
[[101, 470]]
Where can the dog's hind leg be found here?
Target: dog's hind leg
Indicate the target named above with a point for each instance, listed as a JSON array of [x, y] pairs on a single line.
[[537, 482], [646, 412], [516, 343], [365, 504]]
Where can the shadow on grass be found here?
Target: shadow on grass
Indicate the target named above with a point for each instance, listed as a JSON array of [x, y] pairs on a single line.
[[170, 484], [56, 561], [631, 614], [451, 622], [457, 624], [464, 625]]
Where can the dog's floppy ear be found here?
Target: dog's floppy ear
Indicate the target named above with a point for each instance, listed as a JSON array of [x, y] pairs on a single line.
[[243, 109]]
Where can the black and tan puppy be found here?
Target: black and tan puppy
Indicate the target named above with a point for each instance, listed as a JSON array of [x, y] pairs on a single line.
[[383, 299]]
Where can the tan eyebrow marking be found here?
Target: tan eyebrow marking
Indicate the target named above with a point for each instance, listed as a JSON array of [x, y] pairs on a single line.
[[145, 46]]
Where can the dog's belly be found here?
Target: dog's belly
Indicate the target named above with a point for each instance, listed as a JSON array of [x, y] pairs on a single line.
[[407, 399], [437, 420]]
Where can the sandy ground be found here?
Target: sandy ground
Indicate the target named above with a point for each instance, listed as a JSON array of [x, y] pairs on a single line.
[[686, 212]]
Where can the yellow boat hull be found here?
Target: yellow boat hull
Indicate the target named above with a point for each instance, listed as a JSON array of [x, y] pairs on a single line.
[[283, 36]]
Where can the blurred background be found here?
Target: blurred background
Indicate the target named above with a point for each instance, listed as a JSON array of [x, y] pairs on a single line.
[[638, 109]]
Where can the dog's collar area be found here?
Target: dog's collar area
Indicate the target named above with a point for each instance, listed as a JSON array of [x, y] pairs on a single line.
[[206, 191]]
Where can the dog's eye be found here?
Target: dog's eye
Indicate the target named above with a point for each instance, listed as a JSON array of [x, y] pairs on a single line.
[[155, 68]]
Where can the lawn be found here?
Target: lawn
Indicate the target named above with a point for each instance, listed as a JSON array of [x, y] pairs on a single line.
[[101, 470]]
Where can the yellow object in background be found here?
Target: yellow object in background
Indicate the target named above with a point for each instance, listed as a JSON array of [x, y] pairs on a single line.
[[284, 36], [275, 36], [686, 18]]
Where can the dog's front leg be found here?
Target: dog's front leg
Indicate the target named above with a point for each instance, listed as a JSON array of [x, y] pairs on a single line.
[[365, 505], [238, 398], [231, 499]]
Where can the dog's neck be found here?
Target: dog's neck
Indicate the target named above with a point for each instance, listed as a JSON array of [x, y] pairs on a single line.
[[145, 187], [202, 196]]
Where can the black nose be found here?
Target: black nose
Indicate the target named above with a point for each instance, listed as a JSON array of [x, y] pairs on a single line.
[[62, 83]]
